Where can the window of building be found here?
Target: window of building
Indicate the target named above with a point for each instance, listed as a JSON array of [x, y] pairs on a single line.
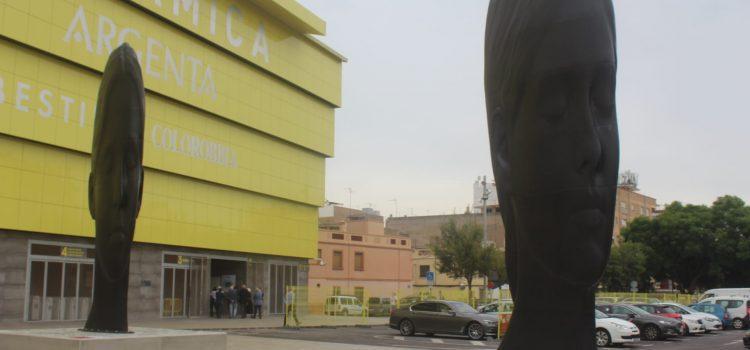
[[356, 238], [623, 207], [320, 254], [338, 260], [337, 235], [336, 290], [423, 270], [359, 261], [623, 223], [393, 241], [403, 242]]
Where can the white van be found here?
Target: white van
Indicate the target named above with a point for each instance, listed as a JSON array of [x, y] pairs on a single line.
[[737, 307], [343, 305], [726, 292]]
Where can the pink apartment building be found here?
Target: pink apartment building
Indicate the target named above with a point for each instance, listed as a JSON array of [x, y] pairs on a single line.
[[356, 257]]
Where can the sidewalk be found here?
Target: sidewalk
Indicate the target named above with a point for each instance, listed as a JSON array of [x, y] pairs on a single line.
[[235, 342], [204, 323]]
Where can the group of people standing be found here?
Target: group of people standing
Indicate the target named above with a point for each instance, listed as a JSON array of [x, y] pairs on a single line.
[[236, 302]]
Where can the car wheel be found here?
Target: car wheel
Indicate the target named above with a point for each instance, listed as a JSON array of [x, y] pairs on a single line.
[[475, 331], [406, 327], [602, 337], [738, 323], [651, 332]]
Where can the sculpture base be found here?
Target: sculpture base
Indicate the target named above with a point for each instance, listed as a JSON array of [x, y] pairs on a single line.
[[139, 338]]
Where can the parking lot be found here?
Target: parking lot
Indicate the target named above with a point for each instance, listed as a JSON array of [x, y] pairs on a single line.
[[385, 337]]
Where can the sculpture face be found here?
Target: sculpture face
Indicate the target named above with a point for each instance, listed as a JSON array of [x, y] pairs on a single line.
[[550, 68], [116, 186], [561, 152], [116, 178]]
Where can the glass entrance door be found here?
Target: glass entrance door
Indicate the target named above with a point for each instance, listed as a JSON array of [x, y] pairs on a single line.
[[184, 286], [175, 288], [60, 284], [282, 277]]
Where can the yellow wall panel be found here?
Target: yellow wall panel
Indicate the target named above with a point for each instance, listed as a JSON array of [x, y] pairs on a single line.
[[174, 64], [52, 102], [176, 210], [242, 28]]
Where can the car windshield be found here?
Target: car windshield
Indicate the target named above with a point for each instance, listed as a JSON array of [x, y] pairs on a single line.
[[462, 307], [682, 310], [599, 314], [637, 311]]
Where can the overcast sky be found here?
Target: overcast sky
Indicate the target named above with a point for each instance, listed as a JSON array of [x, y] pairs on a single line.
[[413, 125]]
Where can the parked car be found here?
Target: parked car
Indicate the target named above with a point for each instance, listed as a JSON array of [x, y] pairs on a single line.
[[652, 327], [725, 292], [443, 317], [736, 307], [379, 306], [716, 310], [660, 310], [697, 322], [343, 305], [611, 330], [505, 306]]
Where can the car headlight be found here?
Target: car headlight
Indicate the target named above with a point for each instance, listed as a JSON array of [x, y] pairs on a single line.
[[490, 323], [622, 326], [663, 322]]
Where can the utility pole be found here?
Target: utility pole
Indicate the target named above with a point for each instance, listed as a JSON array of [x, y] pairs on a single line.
[[485, 196]]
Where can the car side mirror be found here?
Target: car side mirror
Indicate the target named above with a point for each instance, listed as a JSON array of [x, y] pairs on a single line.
[[452, 313], [631, 315]]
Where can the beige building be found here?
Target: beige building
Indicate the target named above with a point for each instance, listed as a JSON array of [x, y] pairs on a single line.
[[630, 203], [356, 257], [423, 229]]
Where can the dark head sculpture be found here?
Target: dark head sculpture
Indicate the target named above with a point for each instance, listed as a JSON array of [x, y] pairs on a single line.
[[550, 68], [116, 186]]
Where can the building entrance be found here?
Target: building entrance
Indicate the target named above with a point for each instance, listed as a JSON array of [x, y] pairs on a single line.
[[225, 272], [184, 286], [60, 283]]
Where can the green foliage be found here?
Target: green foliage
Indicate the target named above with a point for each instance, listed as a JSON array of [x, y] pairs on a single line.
[[696, 246], [627, 262], [460, 253]]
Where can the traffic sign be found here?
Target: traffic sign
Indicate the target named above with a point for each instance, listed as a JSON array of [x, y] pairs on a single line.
[[430, 276]]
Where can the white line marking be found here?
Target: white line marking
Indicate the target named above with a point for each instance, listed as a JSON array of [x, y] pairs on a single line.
[[734, 342], [437, 341], [399, 338], [477, 343]]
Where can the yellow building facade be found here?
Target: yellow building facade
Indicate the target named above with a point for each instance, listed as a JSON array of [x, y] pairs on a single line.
[[240, 101]]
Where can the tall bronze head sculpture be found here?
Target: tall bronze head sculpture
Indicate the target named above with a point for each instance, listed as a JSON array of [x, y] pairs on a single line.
[[116, 186], [550, 90]]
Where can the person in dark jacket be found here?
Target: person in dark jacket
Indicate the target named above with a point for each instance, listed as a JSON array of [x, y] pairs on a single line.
[[243, 298], [219, 303], [231, 296], [212, 302], [258, 303]]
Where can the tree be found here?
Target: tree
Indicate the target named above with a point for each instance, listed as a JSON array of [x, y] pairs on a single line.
[[627, 262], [730, 221], [495, 269], [682, 245], [460, 253]]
